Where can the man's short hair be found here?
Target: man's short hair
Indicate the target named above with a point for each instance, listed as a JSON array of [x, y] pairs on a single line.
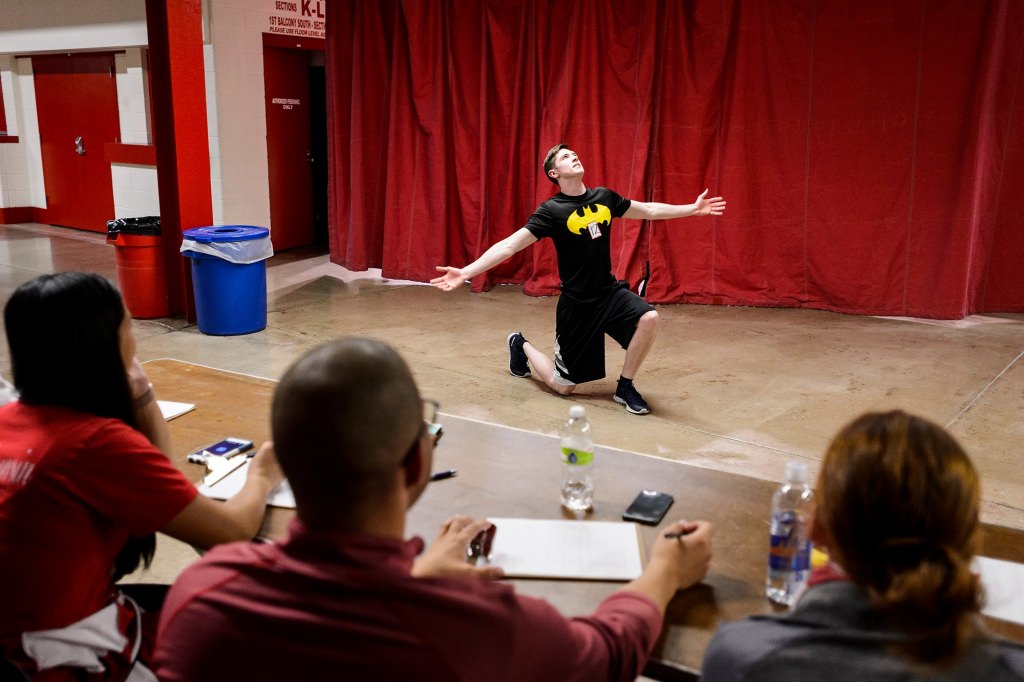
[[549, 160], [344, 416]]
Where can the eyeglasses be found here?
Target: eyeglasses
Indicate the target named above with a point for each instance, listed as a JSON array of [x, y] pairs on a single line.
[[430, 424]]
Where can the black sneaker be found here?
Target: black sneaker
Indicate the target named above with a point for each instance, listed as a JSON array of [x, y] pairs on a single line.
[[517, 364], [626, 394]]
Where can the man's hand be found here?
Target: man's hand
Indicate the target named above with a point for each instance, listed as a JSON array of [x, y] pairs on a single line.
[[451, 279], [676, 563], [705, 206], [446, 557], [686, 558]]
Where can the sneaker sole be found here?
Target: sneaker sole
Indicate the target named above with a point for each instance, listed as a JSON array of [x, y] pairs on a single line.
[[629, 409]]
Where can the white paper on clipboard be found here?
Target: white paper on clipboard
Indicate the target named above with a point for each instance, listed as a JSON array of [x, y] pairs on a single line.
[[577, 550], [281, 496]]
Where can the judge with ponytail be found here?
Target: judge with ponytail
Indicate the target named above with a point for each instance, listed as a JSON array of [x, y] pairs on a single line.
[[897, 512]]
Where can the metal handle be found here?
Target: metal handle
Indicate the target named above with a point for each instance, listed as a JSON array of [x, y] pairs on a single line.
[[79, 147]]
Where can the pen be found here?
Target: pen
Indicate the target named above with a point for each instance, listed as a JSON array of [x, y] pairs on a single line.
[[441, 475]]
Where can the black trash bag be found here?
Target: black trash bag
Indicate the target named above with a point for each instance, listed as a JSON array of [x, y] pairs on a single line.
[[148, 226]]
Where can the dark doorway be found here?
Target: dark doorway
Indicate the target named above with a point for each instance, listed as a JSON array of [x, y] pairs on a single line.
[[295, 94], [318, 147]]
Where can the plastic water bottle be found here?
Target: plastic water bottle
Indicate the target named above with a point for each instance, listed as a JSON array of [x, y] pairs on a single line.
[[789, 557], [577, 461]]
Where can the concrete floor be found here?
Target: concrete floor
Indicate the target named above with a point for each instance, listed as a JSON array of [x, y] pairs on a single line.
[[736, 389]]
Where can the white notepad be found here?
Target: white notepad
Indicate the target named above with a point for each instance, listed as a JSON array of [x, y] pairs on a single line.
[[281, 496], [170, 409], [579, 550]]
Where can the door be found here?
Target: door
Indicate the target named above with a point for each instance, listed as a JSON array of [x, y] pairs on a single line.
[[289, 157], [76, 102]]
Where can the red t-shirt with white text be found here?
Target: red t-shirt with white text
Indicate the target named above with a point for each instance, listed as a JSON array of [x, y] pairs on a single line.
[[73, 488]]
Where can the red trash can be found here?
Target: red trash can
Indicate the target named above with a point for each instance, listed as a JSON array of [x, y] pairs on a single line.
[[140, 265]]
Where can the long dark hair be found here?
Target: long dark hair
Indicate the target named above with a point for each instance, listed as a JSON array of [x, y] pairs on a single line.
[[63, 331], [899, 499]]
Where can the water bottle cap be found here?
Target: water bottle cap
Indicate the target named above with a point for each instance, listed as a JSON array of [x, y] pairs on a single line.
[[796, 472], [577, 412]]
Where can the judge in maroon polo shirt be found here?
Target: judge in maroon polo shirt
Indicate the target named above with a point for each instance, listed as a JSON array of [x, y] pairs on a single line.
[[346, 596]]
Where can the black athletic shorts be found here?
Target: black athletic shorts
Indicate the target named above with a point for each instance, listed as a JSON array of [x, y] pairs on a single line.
[[580, 330]]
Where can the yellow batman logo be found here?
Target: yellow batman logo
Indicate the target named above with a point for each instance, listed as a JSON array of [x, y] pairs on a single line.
[[584, 215]]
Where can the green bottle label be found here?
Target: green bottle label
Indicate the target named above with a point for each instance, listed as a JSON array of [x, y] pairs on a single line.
[[577, 457]]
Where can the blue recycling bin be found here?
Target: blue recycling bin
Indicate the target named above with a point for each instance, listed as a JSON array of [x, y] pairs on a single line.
[[229, 277]]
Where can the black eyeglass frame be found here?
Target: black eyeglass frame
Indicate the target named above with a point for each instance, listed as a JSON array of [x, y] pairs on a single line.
[[428, 425]]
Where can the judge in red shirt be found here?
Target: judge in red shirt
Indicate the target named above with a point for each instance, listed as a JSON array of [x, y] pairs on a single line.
[[85, 483], [346, 596]]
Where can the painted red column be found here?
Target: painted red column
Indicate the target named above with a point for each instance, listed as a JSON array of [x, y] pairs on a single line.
[[178, 83]]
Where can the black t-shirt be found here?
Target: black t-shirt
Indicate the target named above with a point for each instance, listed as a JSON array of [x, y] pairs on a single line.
[[581, 229]]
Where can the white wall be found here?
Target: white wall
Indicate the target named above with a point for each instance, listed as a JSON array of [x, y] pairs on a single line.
[[14, 184], [136, 192], [132, 105], [39, 26], [21, 169], [213, 129], [21, 164], [7, 92], [234, 92], [238, 143], [13, 181], [48, 25]]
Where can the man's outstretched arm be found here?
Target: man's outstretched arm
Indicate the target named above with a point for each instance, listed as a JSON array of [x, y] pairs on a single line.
[[655, 211], [453, 278]]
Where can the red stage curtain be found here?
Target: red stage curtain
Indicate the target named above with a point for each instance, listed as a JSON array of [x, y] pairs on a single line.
[[872, 152]]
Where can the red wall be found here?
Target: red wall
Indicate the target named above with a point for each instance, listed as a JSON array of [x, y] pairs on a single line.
[[872, 153]]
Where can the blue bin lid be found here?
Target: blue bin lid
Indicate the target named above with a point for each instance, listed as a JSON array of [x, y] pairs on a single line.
[[225, 233]]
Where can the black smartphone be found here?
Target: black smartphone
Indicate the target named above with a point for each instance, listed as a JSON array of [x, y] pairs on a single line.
[[649, 507]]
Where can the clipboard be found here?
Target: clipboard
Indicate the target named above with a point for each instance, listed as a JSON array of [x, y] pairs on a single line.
[[232, 482], [573, 550]]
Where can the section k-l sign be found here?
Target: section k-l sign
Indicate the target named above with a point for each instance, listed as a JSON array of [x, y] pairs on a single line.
[[299, 18]]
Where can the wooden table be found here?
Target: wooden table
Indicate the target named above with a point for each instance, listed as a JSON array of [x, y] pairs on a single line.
[[510, 472]]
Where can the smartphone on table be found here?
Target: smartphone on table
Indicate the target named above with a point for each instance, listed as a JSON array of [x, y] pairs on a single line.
[[649, 507], [228, 447]]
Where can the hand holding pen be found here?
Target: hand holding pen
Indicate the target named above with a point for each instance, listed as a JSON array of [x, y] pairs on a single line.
[[685, 549]]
